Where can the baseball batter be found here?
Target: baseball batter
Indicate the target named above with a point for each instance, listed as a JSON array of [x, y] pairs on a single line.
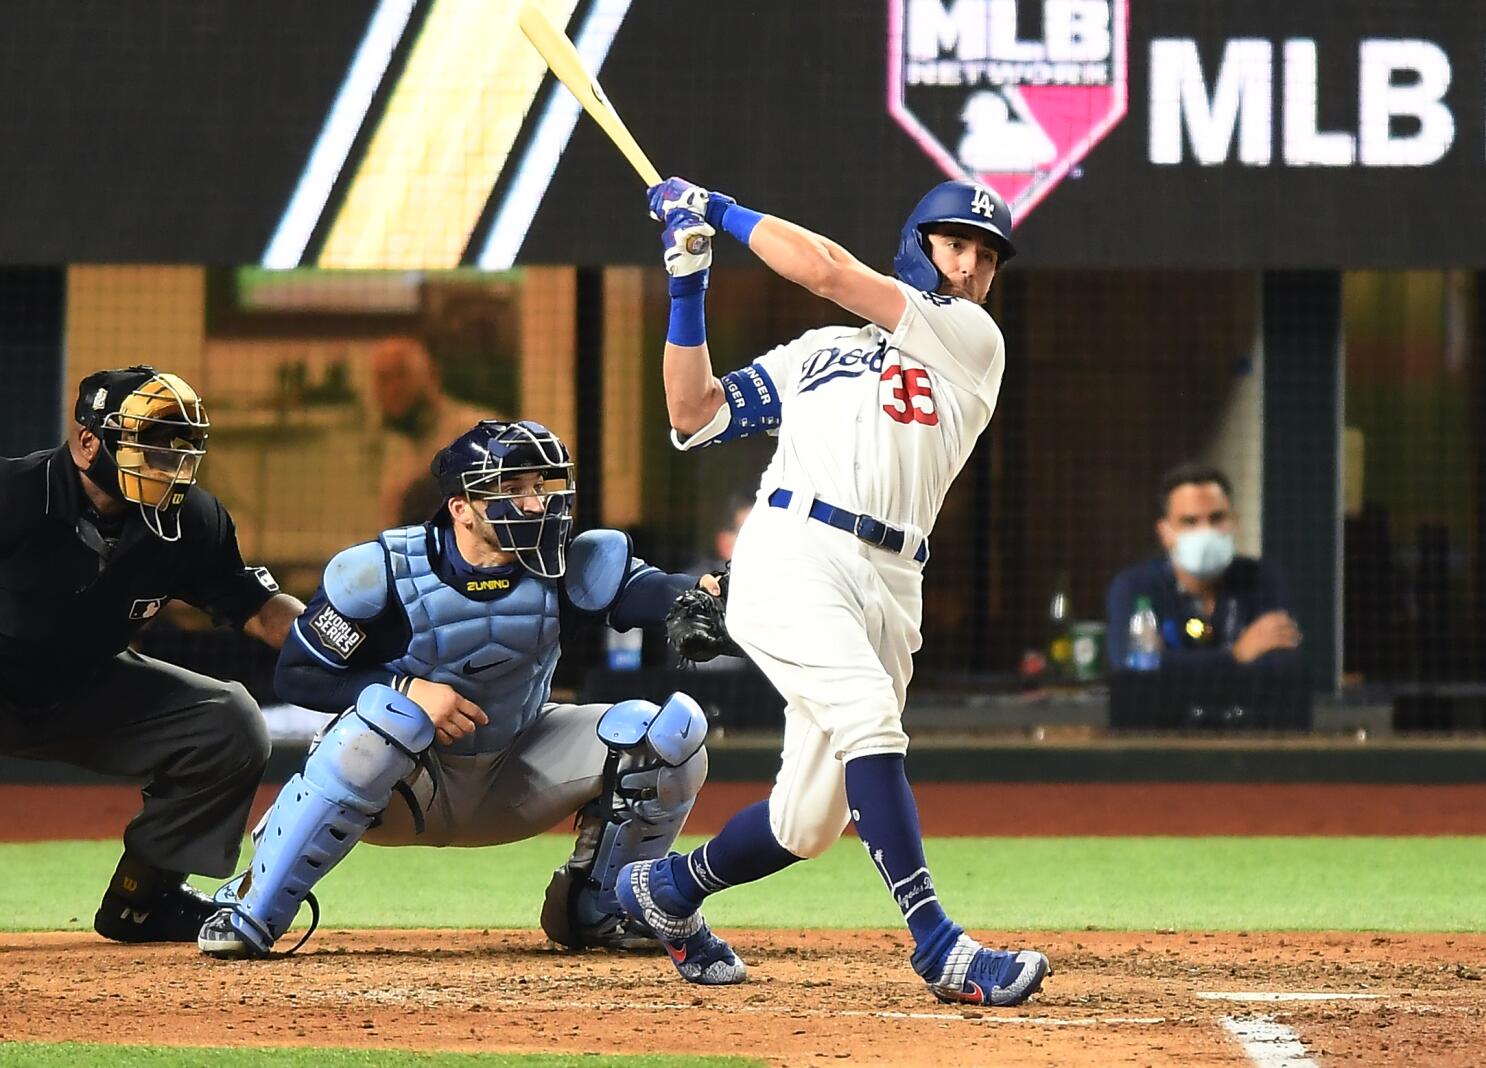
[[874, 422], [439, 641]]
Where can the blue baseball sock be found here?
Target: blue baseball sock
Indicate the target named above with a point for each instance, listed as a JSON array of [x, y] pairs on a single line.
[[743, 851], [886, 818]]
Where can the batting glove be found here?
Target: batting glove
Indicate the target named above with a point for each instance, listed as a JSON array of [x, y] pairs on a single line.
[[687, 240], [676, 193]]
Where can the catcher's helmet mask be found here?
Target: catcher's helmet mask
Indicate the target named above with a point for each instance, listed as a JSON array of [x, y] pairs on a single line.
[[151, 428], [968, 203], [481, 465]]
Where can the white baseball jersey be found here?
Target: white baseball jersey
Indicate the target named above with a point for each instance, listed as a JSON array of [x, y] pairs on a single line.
[[876, 422], [868, 420]]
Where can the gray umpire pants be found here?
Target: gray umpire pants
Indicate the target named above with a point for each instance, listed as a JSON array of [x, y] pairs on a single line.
[[552, 769], [199, 746]]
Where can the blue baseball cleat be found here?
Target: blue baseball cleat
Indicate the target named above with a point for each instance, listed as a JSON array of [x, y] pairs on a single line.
[[699, 955], [974, 975]]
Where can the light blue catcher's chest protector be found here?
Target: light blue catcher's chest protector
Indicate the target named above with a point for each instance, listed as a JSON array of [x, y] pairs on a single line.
[[500, 653]]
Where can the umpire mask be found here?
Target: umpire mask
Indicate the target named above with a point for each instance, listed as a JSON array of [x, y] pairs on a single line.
[[151, 429]]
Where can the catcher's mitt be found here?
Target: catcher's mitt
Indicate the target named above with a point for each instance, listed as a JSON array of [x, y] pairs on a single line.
[[695, 626]]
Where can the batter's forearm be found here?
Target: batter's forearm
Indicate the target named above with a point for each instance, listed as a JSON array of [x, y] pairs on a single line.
[[693, 393], [828, 270], [797, 254]]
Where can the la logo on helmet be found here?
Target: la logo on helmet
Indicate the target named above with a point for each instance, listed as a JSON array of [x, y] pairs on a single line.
[[1015, 113]]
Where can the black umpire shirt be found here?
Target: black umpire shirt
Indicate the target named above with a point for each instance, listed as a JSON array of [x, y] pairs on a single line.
[[69, 602]]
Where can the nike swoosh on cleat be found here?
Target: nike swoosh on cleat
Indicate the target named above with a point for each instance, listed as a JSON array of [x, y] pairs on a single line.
[[470, 667], [684, 731], [677, 954]]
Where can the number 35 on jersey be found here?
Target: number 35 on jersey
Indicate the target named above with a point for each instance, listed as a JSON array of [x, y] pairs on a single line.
[[907, 395]]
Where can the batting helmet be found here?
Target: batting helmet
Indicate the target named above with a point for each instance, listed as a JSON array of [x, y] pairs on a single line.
[[959, 202], [152, 432], [477, 465]]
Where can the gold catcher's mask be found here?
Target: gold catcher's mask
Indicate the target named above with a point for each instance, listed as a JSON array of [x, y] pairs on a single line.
[[152, 427]]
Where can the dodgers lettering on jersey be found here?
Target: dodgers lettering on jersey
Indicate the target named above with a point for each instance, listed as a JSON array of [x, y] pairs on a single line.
[[827, 364], [879, 422]]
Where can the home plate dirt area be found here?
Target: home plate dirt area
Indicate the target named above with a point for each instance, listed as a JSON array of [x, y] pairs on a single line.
[[1172, 998], [812, 996]]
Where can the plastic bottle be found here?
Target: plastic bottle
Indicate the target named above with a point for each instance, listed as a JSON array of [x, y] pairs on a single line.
[[1144, 653], [1059, 640], [624, 650]]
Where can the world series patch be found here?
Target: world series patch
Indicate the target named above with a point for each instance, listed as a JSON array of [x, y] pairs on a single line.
[[337, 633]]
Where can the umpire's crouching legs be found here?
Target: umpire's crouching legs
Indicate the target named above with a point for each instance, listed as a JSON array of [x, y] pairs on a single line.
[[195, 810], [199, 746], [196, 805]]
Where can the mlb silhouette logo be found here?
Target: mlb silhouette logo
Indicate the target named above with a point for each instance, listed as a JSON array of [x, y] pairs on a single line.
[[146, 607], [1012, 93]]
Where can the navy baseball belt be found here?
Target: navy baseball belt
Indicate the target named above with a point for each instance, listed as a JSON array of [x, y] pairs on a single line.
[[872, 531]]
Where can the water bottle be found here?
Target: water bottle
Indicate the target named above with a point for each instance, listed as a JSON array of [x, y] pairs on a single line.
[[1059, 640], [1144, 653], [624, 650]]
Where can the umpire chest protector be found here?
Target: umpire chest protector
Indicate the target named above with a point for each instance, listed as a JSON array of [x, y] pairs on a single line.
[[499, 654]]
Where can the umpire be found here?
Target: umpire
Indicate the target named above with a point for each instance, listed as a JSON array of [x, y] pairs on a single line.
[[96, 537]]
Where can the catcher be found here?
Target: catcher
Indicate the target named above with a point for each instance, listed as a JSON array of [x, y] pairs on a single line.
[[439, 642]]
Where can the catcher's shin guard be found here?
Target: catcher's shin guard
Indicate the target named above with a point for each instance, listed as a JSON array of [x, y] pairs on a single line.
[[322, 812], [655, 769]]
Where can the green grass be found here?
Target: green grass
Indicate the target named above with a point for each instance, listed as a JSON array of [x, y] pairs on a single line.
[[1387, 884], [69, 1054]]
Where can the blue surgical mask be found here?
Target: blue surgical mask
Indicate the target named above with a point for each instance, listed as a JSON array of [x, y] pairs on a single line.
[[1204, 553]]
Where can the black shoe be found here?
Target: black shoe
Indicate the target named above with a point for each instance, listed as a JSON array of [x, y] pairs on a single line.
[[175, 915]]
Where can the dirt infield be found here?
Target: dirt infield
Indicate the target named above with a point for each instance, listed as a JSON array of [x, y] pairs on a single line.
[[812, 997], [1016, 809]]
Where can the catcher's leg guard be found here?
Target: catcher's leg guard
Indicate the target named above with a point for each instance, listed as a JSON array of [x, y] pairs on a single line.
[[319, 815], [656, 767]]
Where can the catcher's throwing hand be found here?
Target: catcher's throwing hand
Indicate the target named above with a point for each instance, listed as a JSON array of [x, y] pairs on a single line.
[[452, 715], [695, 625], [687, 240]]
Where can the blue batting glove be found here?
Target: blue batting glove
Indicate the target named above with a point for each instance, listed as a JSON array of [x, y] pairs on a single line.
[[676, 193]]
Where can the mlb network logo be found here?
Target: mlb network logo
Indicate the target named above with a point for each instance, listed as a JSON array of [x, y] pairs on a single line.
[[1013, 93]]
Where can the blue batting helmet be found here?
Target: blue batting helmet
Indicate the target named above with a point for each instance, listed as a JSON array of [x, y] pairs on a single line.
[[478, 465], [959, 202]]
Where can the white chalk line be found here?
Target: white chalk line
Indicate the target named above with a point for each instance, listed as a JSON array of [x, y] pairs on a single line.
[[1283, 995], [1269, 1044], [403, 995], [1037, 1021]]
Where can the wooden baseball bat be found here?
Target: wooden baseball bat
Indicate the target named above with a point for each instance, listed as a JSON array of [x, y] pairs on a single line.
[[563, 60]]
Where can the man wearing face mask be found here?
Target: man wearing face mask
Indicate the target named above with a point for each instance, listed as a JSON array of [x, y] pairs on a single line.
[[1213, 606], [97, 536]]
